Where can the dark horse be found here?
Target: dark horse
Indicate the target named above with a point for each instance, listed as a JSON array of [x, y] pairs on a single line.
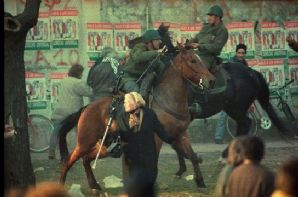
[[170, 104]]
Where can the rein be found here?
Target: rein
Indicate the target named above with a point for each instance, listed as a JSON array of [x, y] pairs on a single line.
[[176, 115], [199, 86]]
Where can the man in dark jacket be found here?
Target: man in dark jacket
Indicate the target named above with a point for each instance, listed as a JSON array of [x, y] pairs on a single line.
[[240, 55], [140, 57], [221, 124], [292, 43], [102, 76], [139, 147], [212, 38]]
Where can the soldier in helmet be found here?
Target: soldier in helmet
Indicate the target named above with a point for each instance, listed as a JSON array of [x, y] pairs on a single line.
[[211, 39], [141, 55]]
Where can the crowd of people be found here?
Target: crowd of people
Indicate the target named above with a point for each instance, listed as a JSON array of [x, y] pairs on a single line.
[[243, 175]]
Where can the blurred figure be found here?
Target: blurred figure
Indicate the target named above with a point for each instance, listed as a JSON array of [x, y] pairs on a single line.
[[47, 189], [286, 181], [251, 179], [14, 192], [292, 43], [70, 100], [102, 76], [235, 158]]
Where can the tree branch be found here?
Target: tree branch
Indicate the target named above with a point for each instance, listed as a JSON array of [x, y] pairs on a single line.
[[29, 17]]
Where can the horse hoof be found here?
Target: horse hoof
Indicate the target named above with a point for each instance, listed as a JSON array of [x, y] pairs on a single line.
[[200, 183], [200, 159]]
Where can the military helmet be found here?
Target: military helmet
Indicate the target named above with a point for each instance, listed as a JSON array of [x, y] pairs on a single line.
[[151, 34], [215, 10]]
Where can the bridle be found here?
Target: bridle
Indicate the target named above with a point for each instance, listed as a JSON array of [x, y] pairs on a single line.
[[180, 70]]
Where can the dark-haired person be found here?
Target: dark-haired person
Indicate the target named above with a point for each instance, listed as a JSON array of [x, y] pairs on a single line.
[[292, 43], [286, 181], [221, 124], [69, 100], [251, 179]]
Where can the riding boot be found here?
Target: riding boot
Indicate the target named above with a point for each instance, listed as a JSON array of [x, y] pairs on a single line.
[[146, 86]]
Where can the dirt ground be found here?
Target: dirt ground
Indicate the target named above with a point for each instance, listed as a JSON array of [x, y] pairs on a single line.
[[49, 170]]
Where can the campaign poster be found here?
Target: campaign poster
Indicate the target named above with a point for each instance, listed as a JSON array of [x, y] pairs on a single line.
[[123, 32], [174, 30], [55, 85], [64, 28], [35, 90], [292, 31], [38, 37], [293, 74], [273, 71], [253, 63], [99, 36], [189, 31], [241, 33], [273, 40]]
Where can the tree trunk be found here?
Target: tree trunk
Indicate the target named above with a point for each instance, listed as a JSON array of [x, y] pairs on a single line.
[[18, 171]]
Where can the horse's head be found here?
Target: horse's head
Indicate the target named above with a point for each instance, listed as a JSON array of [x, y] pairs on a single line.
[[191, 68]]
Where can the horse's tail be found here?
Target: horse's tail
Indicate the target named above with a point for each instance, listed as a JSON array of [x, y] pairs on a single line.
[[263, 98], [66, 125]]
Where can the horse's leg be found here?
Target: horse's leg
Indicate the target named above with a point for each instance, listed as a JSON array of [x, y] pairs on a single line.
[[183, 147], [182, 165], [71, 159], [86, 162]]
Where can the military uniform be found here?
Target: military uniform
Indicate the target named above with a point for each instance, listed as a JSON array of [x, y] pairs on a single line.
[[138, 61], [211, 40]]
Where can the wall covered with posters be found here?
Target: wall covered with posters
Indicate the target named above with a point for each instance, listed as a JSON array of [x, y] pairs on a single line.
[[75, 31]]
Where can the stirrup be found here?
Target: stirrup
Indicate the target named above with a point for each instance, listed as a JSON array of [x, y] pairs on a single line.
[[195, 108]]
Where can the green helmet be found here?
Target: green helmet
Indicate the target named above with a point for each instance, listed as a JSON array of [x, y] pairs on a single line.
[[151, 34], [215, 10]]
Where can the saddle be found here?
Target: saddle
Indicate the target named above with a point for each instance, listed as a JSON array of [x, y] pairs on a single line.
[[203, 99]]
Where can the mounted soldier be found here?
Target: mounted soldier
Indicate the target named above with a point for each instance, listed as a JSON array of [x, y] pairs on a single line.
[[208, 44], [143, 64], [211, 39]]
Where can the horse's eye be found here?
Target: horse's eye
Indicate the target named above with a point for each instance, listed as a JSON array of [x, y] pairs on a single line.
[[193, 61]]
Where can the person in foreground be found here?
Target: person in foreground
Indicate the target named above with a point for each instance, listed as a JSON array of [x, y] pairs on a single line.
[[251, 179], [140, 153], [234, 159], [286, 181]]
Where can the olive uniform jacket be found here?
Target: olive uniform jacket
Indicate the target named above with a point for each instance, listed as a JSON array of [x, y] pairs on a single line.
[[211, 41], [137, 62]]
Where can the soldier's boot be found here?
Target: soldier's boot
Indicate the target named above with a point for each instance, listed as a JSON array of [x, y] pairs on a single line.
[[146, 86]]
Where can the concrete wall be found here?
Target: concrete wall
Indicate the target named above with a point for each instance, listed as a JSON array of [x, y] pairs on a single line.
[[146, 12]]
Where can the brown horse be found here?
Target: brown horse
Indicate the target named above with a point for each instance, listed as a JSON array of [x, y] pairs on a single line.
[[169, 103]]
